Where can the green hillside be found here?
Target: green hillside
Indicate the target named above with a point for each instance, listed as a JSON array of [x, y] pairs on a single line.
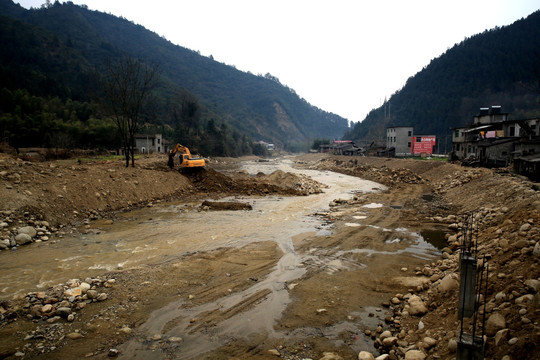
[[55, 53], [496, 67]]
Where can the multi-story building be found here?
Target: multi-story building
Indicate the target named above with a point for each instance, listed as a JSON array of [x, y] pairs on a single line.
[[494, 140], [400, 138]]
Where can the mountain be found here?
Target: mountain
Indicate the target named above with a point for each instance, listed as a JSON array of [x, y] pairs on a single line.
[[54, 52], [497, 67]]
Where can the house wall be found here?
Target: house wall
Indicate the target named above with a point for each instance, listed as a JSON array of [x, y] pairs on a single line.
[[497, 155], [400, 139], [149, 144], [458, 140]]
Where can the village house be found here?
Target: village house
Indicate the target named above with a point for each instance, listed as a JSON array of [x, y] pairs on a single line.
[[400, 138], [342, 147], [401, 141], [150, 143], [493, 140]]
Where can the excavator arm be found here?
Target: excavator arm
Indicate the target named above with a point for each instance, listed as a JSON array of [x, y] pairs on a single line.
[[186, 161]]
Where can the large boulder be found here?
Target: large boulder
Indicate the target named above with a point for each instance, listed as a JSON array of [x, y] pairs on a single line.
[[494, 323], [417, 306], [29, 230], [22, 239], [448, 283]]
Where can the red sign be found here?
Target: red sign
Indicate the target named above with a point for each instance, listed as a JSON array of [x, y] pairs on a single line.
[[423, 144]]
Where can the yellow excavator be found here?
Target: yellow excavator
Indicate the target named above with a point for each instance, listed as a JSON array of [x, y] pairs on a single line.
[[187, 161]]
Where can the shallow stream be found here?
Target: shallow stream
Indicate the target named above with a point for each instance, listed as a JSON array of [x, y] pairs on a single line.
[[156, 234]]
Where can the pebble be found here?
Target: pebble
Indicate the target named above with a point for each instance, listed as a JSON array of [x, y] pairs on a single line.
[[452, 346], [113, 353], [430, 342], [330, 356], [414, 355], [364, 355], [74, 336]]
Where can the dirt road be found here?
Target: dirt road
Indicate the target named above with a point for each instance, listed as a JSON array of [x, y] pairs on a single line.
[[330, 293]]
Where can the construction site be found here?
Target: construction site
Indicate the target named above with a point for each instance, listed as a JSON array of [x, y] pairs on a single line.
[[312, 256]]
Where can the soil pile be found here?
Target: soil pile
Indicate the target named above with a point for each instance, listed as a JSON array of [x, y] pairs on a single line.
[[241, 183]]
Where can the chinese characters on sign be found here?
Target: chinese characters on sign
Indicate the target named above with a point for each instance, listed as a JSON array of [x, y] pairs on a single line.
[[423, 144]]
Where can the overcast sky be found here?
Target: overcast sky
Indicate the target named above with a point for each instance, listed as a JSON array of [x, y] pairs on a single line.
[[343, 56]]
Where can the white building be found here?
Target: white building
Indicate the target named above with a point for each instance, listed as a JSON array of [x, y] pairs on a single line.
[[150, 143]]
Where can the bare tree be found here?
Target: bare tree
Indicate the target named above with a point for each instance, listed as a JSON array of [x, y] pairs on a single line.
[[126, 85]]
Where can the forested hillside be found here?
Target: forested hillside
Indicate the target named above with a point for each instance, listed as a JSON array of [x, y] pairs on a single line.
[[48, 65], [497, 67]]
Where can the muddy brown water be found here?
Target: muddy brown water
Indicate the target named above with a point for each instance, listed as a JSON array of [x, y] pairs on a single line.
[[153, 235]]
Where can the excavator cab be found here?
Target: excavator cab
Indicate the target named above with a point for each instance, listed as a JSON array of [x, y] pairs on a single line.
[[187, 161]]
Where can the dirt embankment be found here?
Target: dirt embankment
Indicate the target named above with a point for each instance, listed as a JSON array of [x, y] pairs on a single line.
[[506, 239], [51, 195], [414, 303]]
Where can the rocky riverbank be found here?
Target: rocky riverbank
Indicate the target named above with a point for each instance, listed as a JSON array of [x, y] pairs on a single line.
[[423, 321]]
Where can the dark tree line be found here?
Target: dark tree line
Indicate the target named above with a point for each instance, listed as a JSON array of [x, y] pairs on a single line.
[[33, 121]]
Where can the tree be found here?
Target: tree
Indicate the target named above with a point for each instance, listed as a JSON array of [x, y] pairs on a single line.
[[186, 115], [126, 87]]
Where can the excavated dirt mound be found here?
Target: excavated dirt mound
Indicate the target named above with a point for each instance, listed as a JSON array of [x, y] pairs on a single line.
[[278, 182]]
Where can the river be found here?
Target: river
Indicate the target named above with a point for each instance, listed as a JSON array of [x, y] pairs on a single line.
[[151, 235], [155, 234]]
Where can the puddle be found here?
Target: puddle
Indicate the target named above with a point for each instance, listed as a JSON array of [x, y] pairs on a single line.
[[373, 206], [435, 238]]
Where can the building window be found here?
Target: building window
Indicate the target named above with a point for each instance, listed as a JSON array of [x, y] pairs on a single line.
[[409, 144], [409, 133], [457, 133], [158, 140], [512, 131], [418, 139]]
